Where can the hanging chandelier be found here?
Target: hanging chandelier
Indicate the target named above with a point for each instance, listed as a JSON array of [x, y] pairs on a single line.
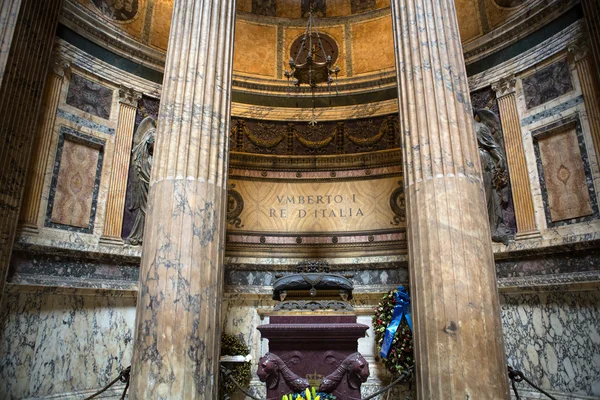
[[317, 66]]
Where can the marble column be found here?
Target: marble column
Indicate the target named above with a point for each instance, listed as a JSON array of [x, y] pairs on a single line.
[[591, 11], [115, 202], [515, 157], [581, 57], [39, 157], [9, 10], [21, 92], [176, 350], [459, 352]]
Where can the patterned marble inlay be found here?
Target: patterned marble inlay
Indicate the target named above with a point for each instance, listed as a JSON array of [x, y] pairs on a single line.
[[75, 182], [84, 122], [54, 343], [554, 338], [89, 96], [564, 172], [547, 84]]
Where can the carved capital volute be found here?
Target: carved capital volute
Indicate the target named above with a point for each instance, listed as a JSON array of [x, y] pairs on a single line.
[[577, 52], [60, 66], [505, 86], [129, 96]]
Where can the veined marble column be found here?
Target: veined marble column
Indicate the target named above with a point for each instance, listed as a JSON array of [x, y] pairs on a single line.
[[591, 11], [176, 351], [459, 352], [9, 10], [579, 54], [41, 148], [515, 157], [115, 202], [21, 92]]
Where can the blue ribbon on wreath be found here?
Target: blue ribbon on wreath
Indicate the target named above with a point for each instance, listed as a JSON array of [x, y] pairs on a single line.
[[401, 310]]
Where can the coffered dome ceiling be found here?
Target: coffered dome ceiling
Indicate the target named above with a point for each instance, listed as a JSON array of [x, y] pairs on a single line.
[[266, 29]]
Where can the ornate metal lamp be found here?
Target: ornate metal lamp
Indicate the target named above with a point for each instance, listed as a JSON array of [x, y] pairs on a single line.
[[317, 67]]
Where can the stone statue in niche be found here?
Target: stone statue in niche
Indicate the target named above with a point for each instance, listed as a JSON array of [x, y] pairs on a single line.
[[494, 170], [141, 158]]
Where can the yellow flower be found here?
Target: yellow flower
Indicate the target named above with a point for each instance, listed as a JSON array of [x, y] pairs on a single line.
[[308, 396]]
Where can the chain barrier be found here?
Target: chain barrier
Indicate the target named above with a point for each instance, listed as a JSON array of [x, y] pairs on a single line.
[[517, 376], [514, 375], [124, 377]]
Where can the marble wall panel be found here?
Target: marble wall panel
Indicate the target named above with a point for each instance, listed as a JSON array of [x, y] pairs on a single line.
[[554, 338], [564, 172], [76, 181], [372, 46], [546, 84], [89, 96], [54, 343], [568, 196]]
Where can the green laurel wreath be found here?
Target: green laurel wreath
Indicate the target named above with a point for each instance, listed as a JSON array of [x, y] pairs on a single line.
[[400, 358], [241, 372]]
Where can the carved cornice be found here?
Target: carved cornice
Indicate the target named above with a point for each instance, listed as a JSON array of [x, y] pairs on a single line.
[[504, 86], [329, 162], [129, 96], [531, 18]]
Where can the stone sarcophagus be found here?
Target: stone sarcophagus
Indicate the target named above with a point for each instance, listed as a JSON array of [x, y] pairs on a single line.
[[313, 350], [313, 336]]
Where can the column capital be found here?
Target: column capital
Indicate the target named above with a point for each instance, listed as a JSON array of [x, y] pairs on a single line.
[[129, 96], [60, 66], [578, 52], [505, 86]]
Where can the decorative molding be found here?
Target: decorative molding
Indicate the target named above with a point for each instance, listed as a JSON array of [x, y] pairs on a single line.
[[505, 86], [578, 52], [248, 161], [60, 66], [313, 305], [129, 96], [533, 56]]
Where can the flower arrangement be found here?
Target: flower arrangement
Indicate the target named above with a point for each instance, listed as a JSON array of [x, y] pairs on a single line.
[[241, 372], [400, 355], [309, 394]]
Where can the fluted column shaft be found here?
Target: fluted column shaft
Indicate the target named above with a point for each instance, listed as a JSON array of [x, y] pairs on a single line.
[[459, 351], [590, 88], [41, 147], [9, 10], [178, 316], [21, 92], [591, 11], [515, 157], [115, 202]]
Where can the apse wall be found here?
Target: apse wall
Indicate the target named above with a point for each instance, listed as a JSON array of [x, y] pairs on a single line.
[[69, 314]]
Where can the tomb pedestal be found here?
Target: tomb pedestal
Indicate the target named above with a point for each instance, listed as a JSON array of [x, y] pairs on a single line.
[[314, 347]]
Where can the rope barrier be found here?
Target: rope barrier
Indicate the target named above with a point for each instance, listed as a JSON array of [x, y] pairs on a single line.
[[514, 375], [402, 377], [517, 376], [124, 377]]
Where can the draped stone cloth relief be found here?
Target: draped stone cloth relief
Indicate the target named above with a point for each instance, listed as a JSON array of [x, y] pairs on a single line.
[[495, 173], [141, 158]]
